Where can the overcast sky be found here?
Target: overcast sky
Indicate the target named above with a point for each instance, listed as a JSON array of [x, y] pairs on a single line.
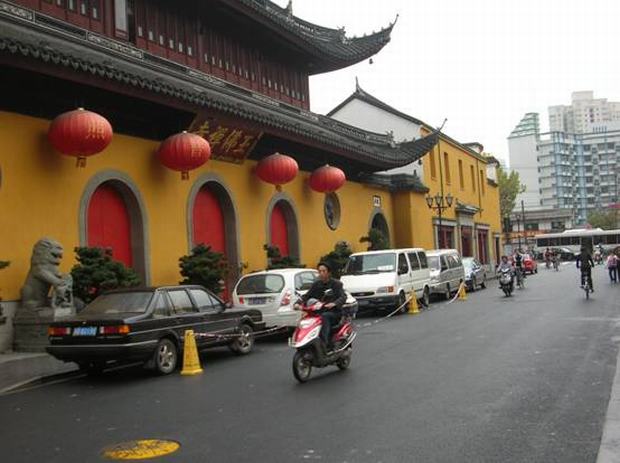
[[480, 63]]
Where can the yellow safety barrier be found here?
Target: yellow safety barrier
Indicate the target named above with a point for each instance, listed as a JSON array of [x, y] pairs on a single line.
[[414, 308], [191, 361], [462, 292]]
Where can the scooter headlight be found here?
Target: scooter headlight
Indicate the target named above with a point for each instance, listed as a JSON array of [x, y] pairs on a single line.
[[306, 323]]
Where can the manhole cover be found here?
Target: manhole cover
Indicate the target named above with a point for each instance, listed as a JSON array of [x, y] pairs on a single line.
[[140, 449]]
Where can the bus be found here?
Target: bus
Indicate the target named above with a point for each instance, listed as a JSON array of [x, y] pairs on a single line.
[[573, 240]]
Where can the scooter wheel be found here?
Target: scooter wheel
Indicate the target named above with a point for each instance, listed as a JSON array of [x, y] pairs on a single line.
[[345, 360], [302, 368]]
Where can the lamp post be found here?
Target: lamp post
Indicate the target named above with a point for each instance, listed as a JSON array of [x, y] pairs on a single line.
[[439, 203]]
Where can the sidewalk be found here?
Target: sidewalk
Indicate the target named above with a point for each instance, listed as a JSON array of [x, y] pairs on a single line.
[[22, 368]]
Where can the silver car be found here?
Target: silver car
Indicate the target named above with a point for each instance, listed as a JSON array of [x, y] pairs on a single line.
[[475, 274], [274, 292]]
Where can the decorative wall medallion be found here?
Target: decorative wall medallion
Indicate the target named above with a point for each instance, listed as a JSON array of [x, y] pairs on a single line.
[[331, 209]]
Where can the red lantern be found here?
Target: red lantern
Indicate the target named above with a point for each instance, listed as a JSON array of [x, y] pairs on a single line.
[[327, 179], [80, 133], [277, 169], [184, 152]]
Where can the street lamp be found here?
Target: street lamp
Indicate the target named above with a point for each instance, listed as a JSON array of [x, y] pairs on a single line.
[[439, 203]]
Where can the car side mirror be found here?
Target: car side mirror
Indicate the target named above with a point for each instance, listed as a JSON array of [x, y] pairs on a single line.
[[227, 305]]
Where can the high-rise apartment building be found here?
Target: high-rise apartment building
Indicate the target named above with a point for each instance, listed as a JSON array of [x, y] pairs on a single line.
[[524, 159], [585, 114], [575, 165]]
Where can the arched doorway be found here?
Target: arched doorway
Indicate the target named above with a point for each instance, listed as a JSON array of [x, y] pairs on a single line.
[[282, 226], [279, 231], [212, 221], [208, 221], [109, 223], [112, 215], [378, 222]]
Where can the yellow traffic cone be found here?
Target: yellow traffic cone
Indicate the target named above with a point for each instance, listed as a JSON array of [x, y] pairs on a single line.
[[191, 361], [413, 305], [462, 292]]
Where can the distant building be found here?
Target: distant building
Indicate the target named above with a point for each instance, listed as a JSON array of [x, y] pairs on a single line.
[[535, 223], [523, 158], [585, 114]]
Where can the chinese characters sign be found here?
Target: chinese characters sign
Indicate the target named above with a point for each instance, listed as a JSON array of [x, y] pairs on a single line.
[[228, 143]]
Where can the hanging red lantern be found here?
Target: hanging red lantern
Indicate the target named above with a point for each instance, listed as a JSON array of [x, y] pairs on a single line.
[[80, 133], [184, 152], [327, 179], [277, 169]]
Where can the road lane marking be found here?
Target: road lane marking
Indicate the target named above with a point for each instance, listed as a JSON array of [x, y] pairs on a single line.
[[141, 449]]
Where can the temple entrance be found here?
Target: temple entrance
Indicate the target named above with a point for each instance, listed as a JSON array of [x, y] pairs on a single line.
[[379, 223], [109, 223], [283, 229], [214, 224]]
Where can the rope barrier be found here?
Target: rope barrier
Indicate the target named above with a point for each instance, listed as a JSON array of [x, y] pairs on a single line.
[[275, 329]]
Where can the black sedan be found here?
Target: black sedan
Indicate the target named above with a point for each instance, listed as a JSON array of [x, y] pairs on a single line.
[[149, 324]]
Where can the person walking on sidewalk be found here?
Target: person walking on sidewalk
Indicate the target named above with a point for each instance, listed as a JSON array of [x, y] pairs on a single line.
[[612, 267]]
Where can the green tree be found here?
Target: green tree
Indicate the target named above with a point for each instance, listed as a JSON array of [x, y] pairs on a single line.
[[338, 258], [97, 272], [376, 239], [275, 259], [607, 220], [509, 187], [204, 267]]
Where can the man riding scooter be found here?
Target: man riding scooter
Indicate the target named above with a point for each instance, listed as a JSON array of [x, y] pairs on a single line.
[[334, 301]]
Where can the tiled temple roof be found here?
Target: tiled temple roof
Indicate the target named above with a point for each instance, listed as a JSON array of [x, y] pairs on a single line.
[[57, 44]]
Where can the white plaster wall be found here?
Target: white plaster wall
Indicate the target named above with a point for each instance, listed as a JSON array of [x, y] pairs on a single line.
[[368, 117]]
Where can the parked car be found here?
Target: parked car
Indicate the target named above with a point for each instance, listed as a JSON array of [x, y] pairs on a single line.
[[382, 280], [529, 264], [475, 274], [446, 271], [274, 292], [148, 325]]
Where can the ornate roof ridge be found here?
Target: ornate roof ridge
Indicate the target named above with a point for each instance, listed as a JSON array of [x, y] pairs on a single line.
[[331, 44]]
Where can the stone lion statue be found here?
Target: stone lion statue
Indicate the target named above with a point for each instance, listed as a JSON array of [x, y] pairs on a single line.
[[45, 275]]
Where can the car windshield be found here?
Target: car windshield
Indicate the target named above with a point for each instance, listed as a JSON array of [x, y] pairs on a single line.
[[370, 263], [260, 284], [129, 302], [434, 263]]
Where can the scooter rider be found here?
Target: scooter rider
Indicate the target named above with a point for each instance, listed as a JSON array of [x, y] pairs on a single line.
[[505, 264], [334, 301], [585, 264]]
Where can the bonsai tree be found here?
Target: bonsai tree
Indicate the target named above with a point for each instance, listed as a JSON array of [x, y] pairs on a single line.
[[376, 239], [97, 272], [338, 258], [204, 267], [275, 259]]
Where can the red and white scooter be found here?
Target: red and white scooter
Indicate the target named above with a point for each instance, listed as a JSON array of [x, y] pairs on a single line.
[[311, 350]]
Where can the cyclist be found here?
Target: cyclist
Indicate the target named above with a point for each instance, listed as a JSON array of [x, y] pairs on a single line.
[[585, 264]]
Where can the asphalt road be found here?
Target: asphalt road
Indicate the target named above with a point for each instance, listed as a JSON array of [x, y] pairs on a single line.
[[492, 379]]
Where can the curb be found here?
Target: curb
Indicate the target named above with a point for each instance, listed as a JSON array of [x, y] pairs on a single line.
[[609, 451]]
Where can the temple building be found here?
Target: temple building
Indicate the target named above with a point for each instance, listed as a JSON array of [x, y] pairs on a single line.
[[233, 72]]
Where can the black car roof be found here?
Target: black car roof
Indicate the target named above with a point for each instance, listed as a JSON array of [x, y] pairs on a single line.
[[150, 289]]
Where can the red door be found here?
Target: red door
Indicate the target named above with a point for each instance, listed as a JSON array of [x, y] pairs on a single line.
[[209, 229], [109, 225], [208, 219], [279, 231]]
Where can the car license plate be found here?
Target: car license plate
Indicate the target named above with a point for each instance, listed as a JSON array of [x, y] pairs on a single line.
[[85, 331], [258, 300]]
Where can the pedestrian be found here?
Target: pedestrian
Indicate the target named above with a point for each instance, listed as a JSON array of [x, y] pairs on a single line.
[[612, 267]]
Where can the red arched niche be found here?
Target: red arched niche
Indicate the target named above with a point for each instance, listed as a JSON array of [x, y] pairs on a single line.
[[109, 223], [208, 221], [279, 230]]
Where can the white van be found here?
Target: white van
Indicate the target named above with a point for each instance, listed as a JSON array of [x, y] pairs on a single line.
[[447, 271], [384, 279]]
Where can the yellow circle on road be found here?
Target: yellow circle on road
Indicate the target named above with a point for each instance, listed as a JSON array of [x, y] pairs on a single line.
[[141, 449]]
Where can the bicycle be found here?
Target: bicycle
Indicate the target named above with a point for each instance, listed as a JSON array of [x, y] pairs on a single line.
[[586, 288]]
